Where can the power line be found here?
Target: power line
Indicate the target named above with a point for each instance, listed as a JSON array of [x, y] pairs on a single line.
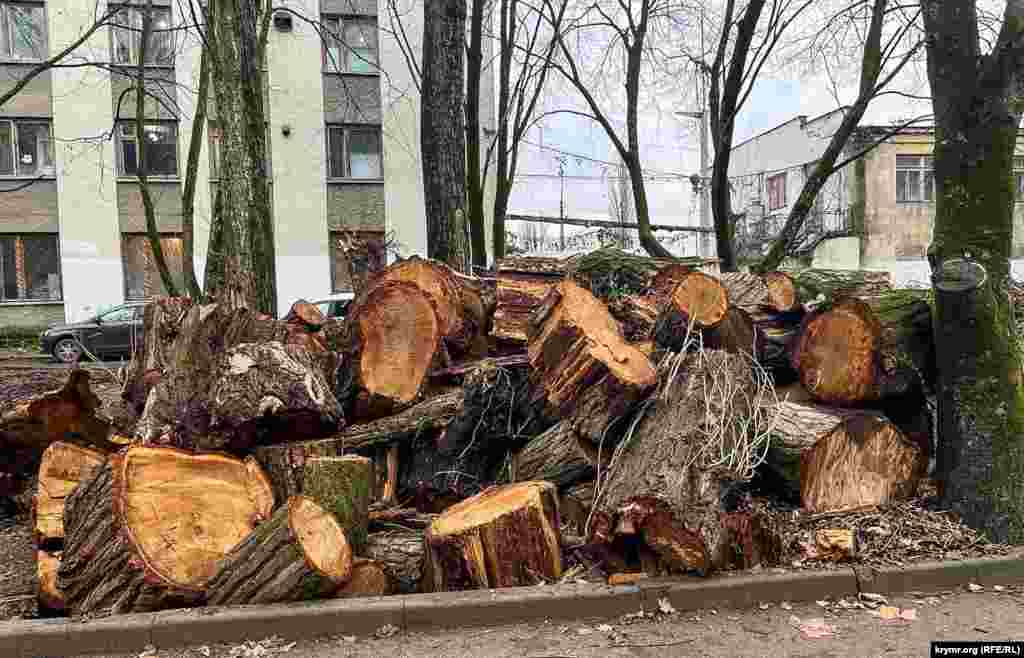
[[599, 161]]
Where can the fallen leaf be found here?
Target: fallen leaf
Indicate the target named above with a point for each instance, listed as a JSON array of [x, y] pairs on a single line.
[[815, 629], [974, 587], [785, 605], [387, 630], [665, 607], [908, 614]]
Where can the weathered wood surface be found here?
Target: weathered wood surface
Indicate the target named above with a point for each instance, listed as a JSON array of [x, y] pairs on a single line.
[[162, 321], [556, 456], [400, 552], [51, 599], [63, 466]]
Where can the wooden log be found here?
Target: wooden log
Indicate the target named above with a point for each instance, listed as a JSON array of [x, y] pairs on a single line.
[[63, 466], [519, 294], [736, 333], [864, 461], [430, 415], [698, 303], [146, 532], [305, 315], [680, 549], [385, 518], [829, 284], [51, 599], [284, 463], [401, 555], [342, 486], [664, 282], [504, 537], [300, 553], [162, 321], [636, 315], [368, 579], [582, 366], [394, 340], [556, 456], [574, 505]]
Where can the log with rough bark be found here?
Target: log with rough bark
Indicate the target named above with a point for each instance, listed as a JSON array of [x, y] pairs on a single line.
[[50, 597], [342, 486], [395, 338], [582, 366], [63, 466], [666, 279], [774, 291], [557, 456], [829, 284], [636, 315], [161, 323], [305, 315], [368, 579], [574, 505], [384, 518], [864, 461], [504, 537], [679, 548], [401, 554], [300, 553], [698, 303], [147, 530], [431, 415], [736, 333]]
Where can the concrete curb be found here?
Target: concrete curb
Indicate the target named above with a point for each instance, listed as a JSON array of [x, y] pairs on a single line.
[[127, 633]]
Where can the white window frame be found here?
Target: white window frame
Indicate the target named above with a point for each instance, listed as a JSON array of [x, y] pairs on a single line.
[[337, 56], [6, 23], [135, 25], [126, 133], [768, 190], [1018, 178], [924, 167], [15, 150], [345, 130]]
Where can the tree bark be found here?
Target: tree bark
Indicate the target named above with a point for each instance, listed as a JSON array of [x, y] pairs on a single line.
[[63, 467], [637, 315], [442, 132], [284, 463], [146, 532], [300, 553], [474, 178], [832, 284], [343, 487], [556, 456], [774, 291], [429, 416], [401, 555], [368, 579], [161, 325], [504, 537]]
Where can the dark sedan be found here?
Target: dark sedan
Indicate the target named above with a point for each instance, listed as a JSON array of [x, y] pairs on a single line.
[[115, 332]]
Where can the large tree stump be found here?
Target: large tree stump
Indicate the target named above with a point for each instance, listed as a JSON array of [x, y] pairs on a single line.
[[400, 553], [394, 340], [146, 532], [864, 461], [50, 597], [557, 456], [582, 366], [63, 466], [300, 553], [504, 537], [161, 323]]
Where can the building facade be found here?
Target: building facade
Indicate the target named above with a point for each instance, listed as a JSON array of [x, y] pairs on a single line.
[[343, 123], [882, 204]]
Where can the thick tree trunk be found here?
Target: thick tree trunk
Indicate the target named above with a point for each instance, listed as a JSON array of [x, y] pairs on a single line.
[[401, 555], [504, 537], [300, 553], [162, 322], [582, 366], [557, 456], [147, 530], [63, 467], [863, 461], [343, 487], [474, 178], [51, 599], [442, 132]]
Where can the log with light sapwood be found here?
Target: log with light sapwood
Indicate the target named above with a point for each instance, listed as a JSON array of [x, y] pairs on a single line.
[[457, 302], [146, 531], [51, 599], [401, 553], [161, 323], [774, 291], [522, 284], [300, 553], [697, 303], [394, 340], [653, 520], [582, 366], [863, 461], [636, 315], [342, 486], [557, 456], [506, 536], [368, 579], [63, 466]]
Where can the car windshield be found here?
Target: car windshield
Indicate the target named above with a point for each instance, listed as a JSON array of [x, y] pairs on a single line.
[[121, 314], [325, 308]]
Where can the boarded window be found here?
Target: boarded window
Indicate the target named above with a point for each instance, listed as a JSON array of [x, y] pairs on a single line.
[[371, 245], [141, 277], [915, 178], [29, 268], [776, 191]]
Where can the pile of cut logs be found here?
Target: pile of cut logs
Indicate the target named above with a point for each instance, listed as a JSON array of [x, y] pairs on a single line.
[[458, 432]]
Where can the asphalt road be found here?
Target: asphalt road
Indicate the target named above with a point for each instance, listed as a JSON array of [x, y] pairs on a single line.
[[774, 631]]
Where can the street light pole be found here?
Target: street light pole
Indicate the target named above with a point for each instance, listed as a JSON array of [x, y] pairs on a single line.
[[705, 207]]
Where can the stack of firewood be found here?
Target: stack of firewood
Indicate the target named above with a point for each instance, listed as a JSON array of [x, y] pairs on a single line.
[[626, 408]]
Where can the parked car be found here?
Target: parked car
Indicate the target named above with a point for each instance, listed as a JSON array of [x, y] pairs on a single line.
[[335, 306], [115, 332]]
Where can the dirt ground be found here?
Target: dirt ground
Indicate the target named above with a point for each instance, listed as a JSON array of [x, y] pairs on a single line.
[[771, 629]]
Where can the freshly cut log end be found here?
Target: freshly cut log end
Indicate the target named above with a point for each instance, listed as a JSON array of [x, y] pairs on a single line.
[[518, 296], [782, 294], [864, 461], [401, 554], [503, 537], [666, 279], [395, 337], [64, 465], [702, 298], [50, 597], [368, 579], [146, 531], [300, 553], [305, 314], [836, 353], [637, 315]]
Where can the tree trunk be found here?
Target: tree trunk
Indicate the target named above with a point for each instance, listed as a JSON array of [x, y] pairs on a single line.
[[474, 179], [442, 132], [504, 537], [522, 285], [774, 291], [161, 326], [146, 532], [64, 465], [832, 284], [556, 456], [51, 599], [343, 487], [736, 333], [864, 461], [429, 416], [401, 555], [582, 366], [368, 579], [284, 463], [395, 338], [637, 315], [300, 553]]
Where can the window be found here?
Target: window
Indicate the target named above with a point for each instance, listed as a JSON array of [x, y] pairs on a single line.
[[161, 149], [353, 152], [120, 314], [26, 149], [141, 277], [915, 179], [1018, 179], [372, 246], [127, 37], [350, 45], [22, 32], [29, 268], [776, 191]]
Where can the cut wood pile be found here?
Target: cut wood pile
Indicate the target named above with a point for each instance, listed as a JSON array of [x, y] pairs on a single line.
[[622, 413]]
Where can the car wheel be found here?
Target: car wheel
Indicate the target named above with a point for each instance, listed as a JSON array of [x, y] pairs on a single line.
[[67, 351]]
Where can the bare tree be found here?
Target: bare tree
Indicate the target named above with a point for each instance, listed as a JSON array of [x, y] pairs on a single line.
[[474, 178]]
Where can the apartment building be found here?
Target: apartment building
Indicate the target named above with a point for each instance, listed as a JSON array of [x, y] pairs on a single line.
[[885, 199], [343, 123]]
